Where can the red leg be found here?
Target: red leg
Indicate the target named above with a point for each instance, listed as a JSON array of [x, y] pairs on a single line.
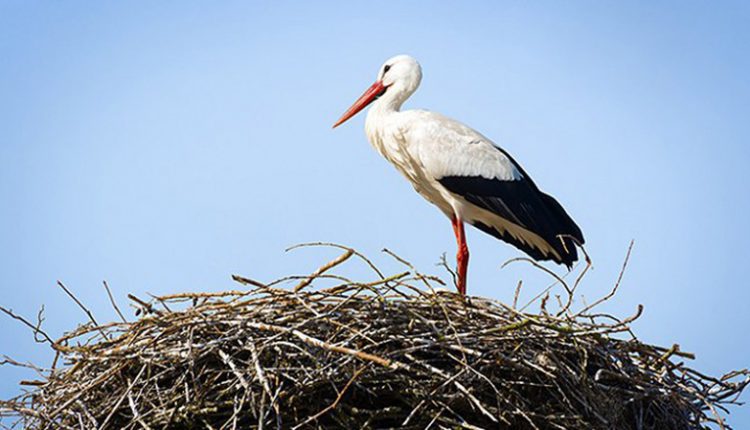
[[462, 256]]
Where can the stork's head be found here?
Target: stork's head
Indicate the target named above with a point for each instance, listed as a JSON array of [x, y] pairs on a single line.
[[398, 78]]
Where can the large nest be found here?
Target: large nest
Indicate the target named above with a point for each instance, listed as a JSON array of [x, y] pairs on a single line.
[[389, 353]]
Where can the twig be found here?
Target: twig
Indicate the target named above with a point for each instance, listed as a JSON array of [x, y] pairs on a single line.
[[114, 304], [346, 248], [78, 302], [391, 364], [322, 269], [517, 293], [35, 328], [617, 283], [335, 402], [247, 281]]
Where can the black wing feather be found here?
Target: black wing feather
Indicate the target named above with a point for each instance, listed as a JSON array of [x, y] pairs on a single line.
[[521, 202]]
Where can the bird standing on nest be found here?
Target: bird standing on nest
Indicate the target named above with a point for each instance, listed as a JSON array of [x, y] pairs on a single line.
[[463, 173]]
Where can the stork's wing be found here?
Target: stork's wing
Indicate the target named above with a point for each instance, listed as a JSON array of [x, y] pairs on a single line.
[[469, 165], [520, 203]]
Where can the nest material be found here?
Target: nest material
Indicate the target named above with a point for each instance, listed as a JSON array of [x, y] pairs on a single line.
[[391, 353]]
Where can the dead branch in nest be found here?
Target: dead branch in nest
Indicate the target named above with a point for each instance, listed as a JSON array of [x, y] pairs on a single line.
[[393, 352], [36, 328]]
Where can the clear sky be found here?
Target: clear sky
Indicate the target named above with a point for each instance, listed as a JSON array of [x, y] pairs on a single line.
[[164, 146]]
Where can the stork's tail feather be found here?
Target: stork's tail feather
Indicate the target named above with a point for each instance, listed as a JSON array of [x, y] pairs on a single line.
[[569, 235], [564, 246], [555, 227]]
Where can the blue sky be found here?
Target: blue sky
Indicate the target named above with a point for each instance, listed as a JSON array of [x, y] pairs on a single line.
[[163, 147]]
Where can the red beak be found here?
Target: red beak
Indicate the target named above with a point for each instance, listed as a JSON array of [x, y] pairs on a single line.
[[365, 99]]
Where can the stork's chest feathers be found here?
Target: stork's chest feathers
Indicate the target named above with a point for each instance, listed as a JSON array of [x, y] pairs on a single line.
[[389, 140]]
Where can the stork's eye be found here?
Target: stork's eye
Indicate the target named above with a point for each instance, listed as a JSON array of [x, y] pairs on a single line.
[[386, 68]]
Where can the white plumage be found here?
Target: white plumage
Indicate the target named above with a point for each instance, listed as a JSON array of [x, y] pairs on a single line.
[[462, 172]]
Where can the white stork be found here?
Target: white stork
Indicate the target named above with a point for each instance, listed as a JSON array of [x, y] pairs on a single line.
[[462, 172]]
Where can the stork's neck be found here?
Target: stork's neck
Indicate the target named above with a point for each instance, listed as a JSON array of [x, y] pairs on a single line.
[[390, 102], [382, 123]]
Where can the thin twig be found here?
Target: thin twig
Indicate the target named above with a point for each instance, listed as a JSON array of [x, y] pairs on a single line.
[[617, 283], [324, 268], [37, 329], [335, 402], [114, 304], [84, 308]]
